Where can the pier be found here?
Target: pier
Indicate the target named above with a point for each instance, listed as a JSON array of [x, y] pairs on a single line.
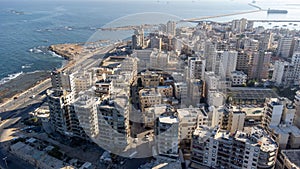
[[218, 16]]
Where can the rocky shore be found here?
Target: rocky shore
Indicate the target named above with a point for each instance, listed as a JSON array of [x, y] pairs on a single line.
[[68, 51]]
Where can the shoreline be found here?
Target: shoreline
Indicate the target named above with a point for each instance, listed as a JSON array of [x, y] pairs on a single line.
[[14, 87]]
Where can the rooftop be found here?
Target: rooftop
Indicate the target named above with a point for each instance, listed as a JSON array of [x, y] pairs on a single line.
[[168, 119], [251, 93], [292, 156]]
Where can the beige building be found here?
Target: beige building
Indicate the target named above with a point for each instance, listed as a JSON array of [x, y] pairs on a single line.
[[149, 97]]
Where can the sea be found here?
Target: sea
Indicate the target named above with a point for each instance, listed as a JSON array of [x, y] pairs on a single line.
[[28, 27]]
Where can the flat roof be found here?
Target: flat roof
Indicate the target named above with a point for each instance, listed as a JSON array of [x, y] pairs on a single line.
[[168, 119], [293, 156], [251, 93]]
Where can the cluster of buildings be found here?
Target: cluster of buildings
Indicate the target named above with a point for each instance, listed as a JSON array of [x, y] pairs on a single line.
[[187, 86]]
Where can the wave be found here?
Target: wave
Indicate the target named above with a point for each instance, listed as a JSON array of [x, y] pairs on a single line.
[[27, 66], [10, 77], [35, 50], [55, 54]]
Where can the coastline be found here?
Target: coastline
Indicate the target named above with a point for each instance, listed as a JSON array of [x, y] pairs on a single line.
[[14, 87], [21, 83]]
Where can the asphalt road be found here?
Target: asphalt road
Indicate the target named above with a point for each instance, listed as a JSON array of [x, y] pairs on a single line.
[[19, 108]]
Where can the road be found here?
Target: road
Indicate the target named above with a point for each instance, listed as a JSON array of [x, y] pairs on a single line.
[[19, 108]]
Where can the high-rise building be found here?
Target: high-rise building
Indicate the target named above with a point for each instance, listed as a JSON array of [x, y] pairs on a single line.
[[210, 55], [225, 63], [171, 28], [259, 65], [283, 73], [296, 67], [113, 121], [63, 117], [272, 113], [196, 68], [297, 107], [216, 148], [138, 39], [61, 80], [189, 120], [285, 47], [85, 107], [167, 139], [243, 59]]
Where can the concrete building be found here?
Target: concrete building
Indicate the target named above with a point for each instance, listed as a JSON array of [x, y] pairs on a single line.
[[113, 121], [63, 118], [165, 91], [210, 53], [149, 97], [151, 113], [215, 98], [238, 78], [103, 87], [181, 92], [283, 73], [81, 81], [259, 65], [85, 107], [196, 68], [158, 60], [286, 136], [297, 107], [150, 79], [242, 63], [288, 159], [272, 113], [296, 64], [143, 58], [171, 28], [227, 63], [195, 91], [138, 39], [215, 148], [167, 139], [189, 120], [60, 80], [285, 47], [156, 42]]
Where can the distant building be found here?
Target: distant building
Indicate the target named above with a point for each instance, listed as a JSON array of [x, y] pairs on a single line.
[[171, 28]]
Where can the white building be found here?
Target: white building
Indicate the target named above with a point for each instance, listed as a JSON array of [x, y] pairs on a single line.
[[171, 28], [272, 113], [167, 130], [85, 107], [238, 78], [216, 148], [196, 67], [189, 120]]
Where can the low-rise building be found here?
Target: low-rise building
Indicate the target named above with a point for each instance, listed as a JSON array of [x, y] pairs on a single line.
[[238, 78]]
